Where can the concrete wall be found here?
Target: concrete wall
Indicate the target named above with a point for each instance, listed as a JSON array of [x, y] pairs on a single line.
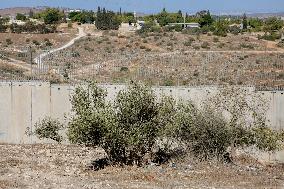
[[22, 104]]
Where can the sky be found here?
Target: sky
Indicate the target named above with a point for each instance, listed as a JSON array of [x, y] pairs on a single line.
[[153, 6]]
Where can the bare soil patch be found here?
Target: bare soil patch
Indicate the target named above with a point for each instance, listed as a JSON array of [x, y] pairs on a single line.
[[66, 166]]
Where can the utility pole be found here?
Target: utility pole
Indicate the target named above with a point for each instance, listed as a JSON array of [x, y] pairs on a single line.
[[31, 60], [184, 17]]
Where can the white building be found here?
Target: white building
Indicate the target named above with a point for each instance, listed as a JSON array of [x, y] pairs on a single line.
[[36, 21], [186, 25], [75, 10], [18, 22]]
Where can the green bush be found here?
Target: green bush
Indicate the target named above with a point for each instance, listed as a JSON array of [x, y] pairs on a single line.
[[270, 36], [156, 29], [235, 30], [145, 41], [70, 25], [136, 123], [192, 31], [221, 45], [169, 82], [48, 43], [178, 28], [124, 69], [126, 130], [9, 41], [35, 42], [221, 33], [247, 46], [187, 43], [215, 39], [208, 133], [48, 128], [205, 29], [205, 45]]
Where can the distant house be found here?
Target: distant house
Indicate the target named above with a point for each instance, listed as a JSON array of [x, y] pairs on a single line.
[[18, 22], [186, 25], [74, 10], [140, 24], [282, 37], [127, 27], [36, 21], [240, 26]]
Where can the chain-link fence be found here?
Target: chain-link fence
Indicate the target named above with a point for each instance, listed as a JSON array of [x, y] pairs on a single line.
[[265, 71]]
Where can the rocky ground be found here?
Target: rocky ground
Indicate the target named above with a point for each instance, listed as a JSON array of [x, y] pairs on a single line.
[[60, 166]]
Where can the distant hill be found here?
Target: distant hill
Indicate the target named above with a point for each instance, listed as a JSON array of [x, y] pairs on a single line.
[[23, 10], [266, 15]]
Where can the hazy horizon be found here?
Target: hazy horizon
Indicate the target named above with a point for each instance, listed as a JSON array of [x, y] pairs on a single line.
[[146, 6]]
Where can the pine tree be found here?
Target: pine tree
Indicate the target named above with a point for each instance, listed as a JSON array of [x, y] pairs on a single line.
[[180, 13], [98, 18], [245, 22], [31, 14]]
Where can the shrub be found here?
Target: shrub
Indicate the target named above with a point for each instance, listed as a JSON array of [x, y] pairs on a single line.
[[192, 31], [280, 76], [227, 120], [215, 39], [204, 132], [205, 45], [246, 46], [270, 37], [221, 45], [156, 29], [169, 82], [196, 47], [178, 28], [170, 44], [187, 43], [126, 131], [75, 54], [205, 29], [124, 69], [130, 128], [9, 41], [112, 33], [244, 115], [49, 128], [48, 43], [35, 42], [280, 44], [87, 126], [235, 30], [70, 25], [220, 33]]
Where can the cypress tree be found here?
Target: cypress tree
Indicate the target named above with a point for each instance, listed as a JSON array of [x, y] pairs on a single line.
[[98, 18]]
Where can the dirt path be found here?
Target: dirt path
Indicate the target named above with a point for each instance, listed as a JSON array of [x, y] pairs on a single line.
[[38, 59]]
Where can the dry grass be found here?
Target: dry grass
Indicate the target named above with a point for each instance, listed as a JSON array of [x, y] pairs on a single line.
[[60, 166], [21, 42], [105, 58], [9, 71]]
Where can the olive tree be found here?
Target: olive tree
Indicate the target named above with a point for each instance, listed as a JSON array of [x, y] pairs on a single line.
[[126, 129]]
